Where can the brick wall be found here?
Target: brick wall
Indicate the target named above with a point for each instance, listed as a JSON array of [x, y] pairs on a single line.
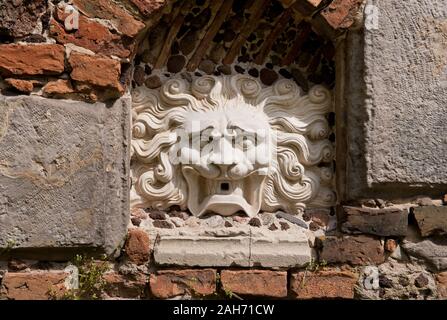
[[380, 249]]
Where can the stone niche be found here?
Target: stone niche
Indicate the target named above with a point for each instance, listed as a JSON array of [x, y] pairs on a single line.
[[63, 177], [232, 151]]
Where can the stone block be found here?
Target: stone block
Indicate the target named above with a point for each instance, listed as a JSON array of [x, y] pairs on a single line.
[[231, 247], [432, 250], [64, 177], [379, 222], [396, 99], [431, 219], [355, 250]]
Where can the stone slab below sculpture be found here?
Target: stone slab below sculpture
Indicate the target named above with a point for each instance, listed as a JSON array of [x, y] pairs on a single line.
[[240, 245], [63, 177]]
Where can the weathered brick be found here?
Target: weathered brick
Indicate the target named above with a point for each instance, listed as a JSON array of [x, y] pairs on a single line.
[[24, 86], [340, 13], [138, 246], [30, 60], [431, 219], [170, 283], [147, 7], [441, 282], [323, 284], [125, 286], [96, 70], [379, 222], [355, 250], [91, 35], [105, 9], [36, 285], [263, 283], [58, 87], [19, 18]]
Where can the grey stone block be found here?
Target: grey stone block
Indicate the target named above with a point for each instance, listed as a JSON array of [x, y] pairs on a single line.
[[64, 168], [431, 219], [432, 250], [395, 98], [379, 222]]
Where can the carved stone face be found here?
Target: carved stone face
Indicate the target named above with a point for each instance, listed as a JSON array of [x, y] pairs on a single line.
[[228, 144], [230, 151]]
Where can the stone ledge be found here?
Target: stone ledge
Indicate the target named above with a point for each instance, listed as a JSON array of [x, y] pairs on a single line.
[[246, 247]]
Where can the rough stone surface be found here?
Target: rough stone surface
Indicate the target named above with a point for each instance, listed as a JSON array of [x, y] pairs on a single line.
[[33, 285], [431, 219], [355, 250], [264, 283], [30, 60], [394, 280], [137, 246], [432, 250], [63, 176], [170, 283], [19, 18], [441, 280], [323, 284], [405, 98], [379, 222]]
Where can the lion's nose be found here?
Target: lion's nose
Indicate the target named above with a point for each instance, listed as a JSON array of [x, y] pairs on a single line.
[[224, 156]]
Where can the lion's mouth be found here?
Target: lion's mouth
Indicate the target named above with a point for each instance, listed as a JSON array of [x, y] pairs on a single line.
[[223, 196]]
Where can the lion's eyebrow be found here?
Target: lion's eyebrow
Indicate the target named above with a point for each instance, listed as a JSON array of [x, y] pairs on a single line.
[[241, 126]]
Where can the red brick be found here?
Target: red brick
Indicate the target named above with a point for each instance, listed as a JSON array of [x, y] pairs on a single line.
[[441, 282], [30, 60], [24, 86], [138, 246], [105, 9], [91, 35], [58, 87], [125, 286], [96, 70], [170, 283], [340, 13], [355, 250], [35, 285], [263, 283], [148, 7], [323, 284]]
